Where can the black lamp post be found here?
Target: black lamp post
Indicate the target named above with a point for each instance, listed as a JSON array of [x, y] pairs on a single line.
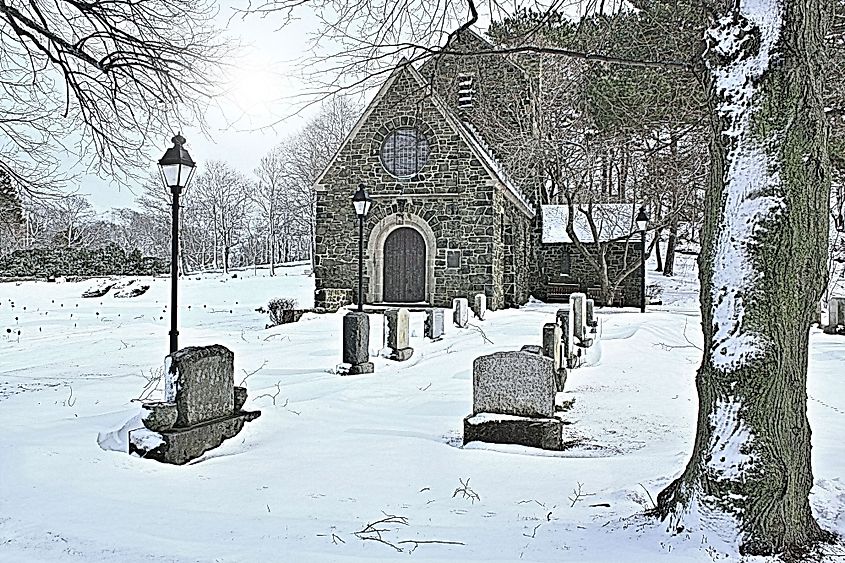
[[177, 168], [642, 224], [362, 203]]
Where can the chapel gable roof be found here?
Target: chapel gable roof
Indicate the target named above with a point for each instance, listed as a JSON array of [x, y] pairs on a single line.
[[479, 149], [613, 221]]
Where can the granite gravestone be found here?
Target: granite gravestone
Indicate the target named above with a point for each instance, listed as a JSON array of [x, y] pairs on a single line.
[[199, 386], [434, 324], [836, 311], [592, 322], [356, 343], [513, 401], [579, 314], [396, 328], [552, 336], [460, 312], [835, 316], [480, 308], [564, 320]]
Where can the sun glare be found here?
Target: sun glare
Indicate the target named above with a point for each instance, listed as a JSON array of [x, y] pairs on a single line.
[[254, 91]]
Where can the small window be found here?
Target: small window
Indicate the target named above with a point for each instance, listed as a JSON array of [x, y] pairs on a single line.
[[404, 152], [453, 258], [466, 91], [565, 264]]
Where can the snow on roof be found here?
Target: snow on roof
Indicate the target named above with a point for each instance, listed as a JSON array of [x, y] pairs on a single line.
[[613, 221]]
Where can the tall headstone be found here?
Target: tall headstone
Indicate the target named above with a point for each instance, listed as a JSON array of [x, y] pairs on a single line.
[[836, 311], [592, 322], [567, 342], [396, 328], [562, 316], [202, 407], [480, 308], [552, 336], [578, 302], [513, 401], [460, 312], [356, 343], [434, 325]]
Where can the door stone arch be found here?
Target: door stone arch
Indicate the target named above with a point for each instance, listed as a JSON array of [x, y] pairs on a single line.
[[375, 252]]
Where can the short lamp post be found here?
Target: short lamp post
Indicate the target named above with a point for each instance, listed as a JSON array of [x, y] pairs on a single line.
[[362, 203], [177, 167], [642, 225]]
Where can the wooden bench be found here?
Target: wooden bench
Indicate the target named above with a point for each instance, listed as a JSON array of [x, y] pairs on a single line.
[[596, 295], [561, 291]]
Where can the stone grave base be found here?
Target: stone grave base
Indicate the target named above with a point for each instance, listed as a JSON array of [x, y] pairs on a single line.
[[543, 433], [401, 355], [356, 369], [181, 445]]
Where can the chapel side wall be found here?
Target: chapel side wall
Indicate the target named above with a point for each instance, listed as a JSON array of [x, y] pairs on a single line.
[[452, 194], [550, 259], [512, 254]]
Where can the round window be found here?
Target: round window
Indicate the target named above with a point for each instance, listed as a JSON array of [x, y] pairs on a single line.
[[404, 152]]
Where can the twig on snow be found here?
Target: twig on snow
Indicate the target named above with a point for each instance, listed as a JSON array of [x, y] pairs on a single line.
[[466, 491], [249, 374]]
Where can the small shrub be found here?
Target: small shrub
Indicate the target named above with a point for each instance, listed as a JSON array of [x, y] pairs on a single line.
[[277, 306]]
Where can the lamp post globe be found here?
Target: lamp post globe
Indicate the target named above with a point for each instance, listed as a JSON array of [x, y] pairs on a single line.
[[177, 168], [362, 203], [642, 225]]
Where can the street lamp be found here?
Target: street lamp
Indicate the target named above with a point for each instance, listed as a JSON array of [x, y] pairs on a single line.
[[362, 203], [642, 224], [177, 167]]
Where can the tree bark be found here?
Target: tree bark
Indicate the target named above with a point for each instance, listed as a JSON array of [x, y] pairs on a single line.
[[762, 270], [657, 250], [672, 241]]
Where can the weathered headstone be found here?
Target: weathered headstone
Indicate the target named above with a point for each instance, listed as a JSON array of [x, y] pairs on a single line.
[[460, 312], [562, 317], [552, 336], [515, 383], [835, 316], [592, 322], [199, 386], [836, 311], [480, 306], [356, 343], [434, 324], [396, 328], [513, 401], [567, 342], [579, 314]]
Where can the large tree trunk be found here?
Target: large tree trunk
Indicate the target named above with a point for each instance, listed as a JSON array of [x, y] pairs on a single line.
[[762, 269]]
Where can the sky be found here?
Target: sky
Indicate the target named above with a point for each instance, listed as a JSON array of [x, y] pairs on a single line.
[[250, 120]]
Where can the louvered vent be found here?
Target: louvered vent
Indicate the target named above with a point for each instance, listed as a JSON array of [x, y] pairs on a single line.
[[466, 91]]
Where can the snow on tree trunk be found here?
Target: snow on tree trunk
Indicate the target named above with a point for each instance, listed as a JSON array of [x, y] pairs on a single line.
[[762, 270]]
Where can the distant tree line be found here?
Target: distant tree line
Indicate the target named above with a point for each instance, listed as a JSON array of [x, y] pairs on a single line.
[[228, 219]]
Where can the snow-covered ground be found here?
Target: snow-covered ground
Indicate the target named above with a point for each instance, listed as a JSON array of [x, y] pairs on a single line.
[[332, 455]]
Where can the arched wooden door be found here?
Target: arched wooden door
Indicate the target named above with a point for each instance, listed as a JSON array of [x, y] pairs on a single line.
[[404, 267]]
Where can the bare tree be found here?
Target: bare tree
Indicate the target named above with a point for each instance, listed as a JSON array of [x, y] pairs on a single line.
[[113, 73], [266, 194], [222, 193]]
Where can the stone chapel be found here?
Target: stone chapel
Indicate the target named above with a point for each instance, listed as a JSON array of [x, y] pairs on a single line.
[[452, 216]]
